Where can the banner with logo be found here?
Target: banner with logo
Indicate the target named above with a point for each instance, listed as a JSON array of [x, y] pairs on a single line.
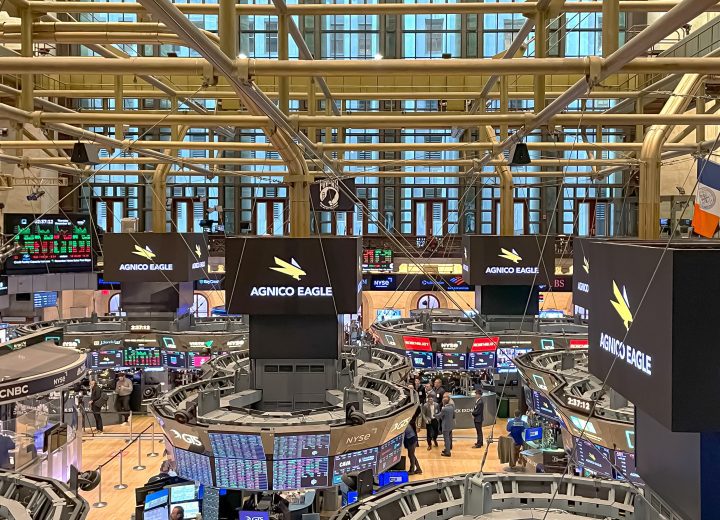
[[508, 260], [332, 195], [283, 276], [155, 257], [581, 272]]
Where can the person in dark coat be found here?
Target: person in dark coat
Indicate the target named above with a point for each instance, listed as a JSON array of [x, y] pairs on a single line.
[[95, 404], [446, 418], [478, 414]]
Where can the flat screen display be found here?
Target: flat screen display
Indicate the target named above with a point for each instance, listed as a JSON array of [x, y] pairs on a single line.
[[387, 314], [451, 360], [481, 360], [354, 461], [193, 466], [390, 453], [377, 259], [301, 473], [626, 469], [156, 499], [159, 513], [301, 446], [533, 434], [182, 493], [196, 360], [52, 243], [543, 406], [241, 473], [593, 458], [505, 355], [42, 300], [106, 358], [142, 357], [175, 359], [421, 359], [190, 508], [237, 446]]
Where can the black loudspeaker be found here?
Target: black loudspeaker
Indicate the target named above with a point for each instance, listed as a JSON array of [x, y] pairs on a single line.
[[84, 153], [519, 155]]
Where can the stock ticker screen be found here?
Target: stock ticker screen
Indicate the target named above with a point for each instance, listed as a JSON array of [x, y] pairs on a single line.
[[142, 357], [106, 358], [235, 445], [354, 461], [481, 360], [52, 243], [377, 259], [390, 453], [301, 473], [241, 474], [193, 466], [301, 446]]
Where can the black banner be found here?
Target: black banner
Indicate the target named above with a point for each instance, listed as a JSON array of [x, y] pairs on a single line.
[[508, 260], [155, 257], [283, 276], [581, 272], [332, 195], [415, 282], [23, 388]]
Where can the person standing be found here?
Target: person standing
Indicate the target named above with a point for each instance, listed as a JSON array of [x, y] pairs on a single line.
[[478, 414], [123, 389], [95, 404], [427, 413], [422, 393], [516, 427], [446, 417], [410, 441]]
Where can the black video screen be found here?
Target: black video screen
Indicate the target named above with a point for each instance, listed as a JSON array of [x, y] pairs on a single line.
[[451, 360], [301, 473], [237, 446], [51, 243], [106, 358], [593, 458], [142, 357], [421, 359], [505, 355], [193, 466], [175, 359], [241, 474], [543, 406], [390, 453], [354, 461], [301, 446], [625, 463], [481, 360]]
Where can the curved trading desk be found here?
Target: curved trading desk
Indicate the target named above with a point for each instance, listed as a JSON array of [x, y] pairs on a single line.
[[47, 498]]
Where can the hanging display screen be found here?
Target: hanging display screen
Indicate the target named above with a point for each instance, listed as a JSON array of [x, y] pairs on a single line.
[[377, 259], [52, 243]]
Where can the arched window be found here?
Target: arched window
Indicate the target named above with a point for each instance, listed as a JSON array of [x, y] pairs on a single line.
[[201, 306], [428, 301], [114, 305]]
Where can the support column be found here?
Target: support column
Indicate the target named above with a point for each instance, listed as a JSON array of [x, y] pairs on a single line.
[[283, 54], [507, 191], [504, 105], [700, 109], [541, 36], [159, 181], [228, 28], [610, 26], [119, 131], [26, 50]]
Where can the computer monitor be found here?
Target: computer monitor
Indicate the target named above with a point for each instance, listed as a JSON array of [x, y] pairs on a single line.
[[533, 434], [190, 508], [158, 513], [182, 493], [156, 499]]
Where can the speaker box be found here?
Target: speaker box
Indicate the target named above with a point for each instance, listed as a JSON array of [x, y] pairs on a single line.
[[84, 153], [519, 155]]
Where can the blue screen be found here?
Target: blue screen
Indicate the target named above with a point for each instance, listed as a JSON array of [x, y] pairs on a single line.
[[420, 359], [254, 515], [533, 434]]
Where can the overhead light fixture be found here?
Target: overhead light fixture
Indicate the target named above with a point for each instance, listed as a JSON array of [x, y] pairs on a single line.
[[519, 155], [84, 153], [35, 195], [378, 56]]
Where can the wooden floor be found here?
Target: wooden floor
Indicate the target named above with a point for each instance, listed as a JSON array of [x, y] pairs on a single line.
[[120, 503]]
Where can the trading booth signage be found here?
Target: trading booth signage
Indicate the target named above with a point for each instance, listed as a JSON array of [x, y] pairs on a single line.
[[155, 257], [581, 272], [508, 260], [650, 334], [280, 276]]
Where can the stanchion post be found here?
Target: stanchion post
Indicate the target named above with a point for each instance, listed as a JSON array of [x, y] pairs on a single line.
[[100, 502], [152, 453], [131, 426], [139, 466], [121, 485]]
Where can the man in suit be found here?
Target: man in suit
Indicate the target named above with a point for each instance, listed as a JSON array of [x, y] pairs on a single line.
[[446, 418], [478, 416]]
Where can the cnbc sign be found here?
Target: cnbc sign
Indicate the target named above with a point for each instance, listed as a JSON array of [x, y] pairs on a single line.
[[653, 327], [276, 276], [511, 260], [155, 257]]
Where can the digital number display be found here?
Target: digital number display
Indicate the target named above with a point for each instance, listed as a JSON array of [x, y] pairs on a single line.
[[142, 357], [421, 359], [237, 446], [301, 473], [451, 361], [390, 453], [301, 446], [578, 403], [481, 360], [241, 473], [42, 300], [52, 243], [354, 461], [106, 358], [193, 466], [593, 458], [377, 259]]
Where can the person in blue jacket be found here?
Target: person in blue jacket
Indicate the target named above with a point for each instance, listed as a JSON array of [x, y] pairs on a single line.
[[516, 427]]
